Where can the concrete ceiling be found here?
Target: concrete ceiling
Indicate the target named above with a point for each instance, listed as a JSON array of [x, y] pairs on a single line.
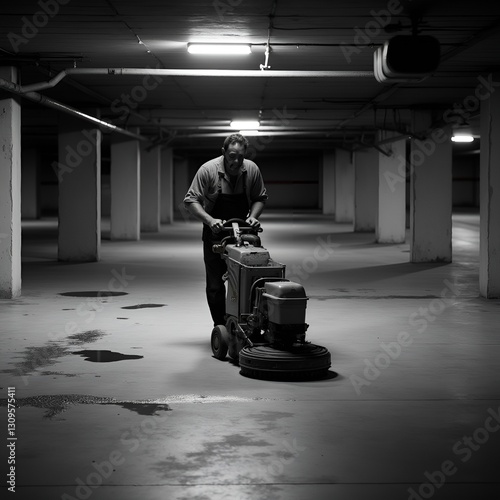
[[45, 37]]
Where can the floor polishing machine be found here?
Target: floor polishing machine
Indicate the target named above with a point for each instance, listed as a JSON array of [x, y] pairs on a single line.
[[265, 330]]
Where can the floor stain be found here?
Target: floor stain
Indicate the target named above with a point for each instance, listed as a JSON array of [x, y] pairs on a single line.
[[33, 358], [150, 409], [141, 306], [93, 293], [105, 356], [85, 337], [60, 374], [219, 450], [56, 404]]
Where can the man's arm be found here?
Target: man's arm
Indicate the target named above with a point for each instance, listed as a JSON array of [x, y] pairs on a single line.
[[255, 211], [199, 213]]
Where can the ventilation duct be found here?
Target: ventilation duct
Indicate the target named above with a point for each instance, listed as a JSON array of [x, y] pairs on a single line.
[[406, 58]]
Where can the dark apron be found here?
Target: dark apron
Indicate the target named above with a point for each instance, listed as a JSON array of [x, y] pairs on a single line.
[[227, 206]]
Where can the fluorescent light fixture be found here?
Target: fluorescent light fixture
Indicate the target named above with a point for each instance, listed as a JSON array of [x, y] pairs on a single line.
[[245, 124], [249, 132], [462, 138], [219, 48]]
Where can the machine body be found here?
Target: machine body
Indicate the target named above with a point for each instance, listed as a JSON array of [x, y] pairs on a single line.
[[265, 330]]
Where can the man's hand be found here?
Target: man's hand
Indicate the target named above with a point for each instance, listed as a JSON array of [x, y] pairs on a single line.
[[253, 222], [216, 225]]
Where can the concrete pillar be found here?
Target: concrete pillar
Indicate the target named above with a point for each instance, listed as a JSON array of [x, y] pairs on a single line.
[[430, 192], [150, 189], [365, 189], [328, 182], [79, 174], [10, 191], [30, 167], [390, 217], [344, 186], [167, 186], [489, 236], [182, 181], [125, 189]]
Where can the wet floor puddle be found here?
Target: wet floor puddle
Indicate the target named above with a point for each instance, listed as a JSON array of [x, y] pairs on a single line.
[[93, 293], [142, 306], [104, 356], [34, 358]]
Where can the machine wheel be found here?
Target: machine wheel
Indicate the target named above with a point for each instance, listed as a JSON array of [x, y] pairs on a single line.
[[232, 332], [299, 362], [218, 342]]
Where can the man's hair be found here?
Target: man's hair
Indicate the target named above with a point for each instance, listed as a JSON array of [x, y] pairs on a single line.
[[233, 139]]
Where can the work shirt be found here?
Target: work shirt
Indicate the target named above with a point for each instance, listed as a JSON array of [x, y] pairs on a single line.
[[212, 179]]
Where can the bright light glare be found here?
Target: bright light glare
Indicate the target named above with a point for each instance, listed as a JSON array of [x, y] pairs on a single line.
[[249, 132], [462, 138], [219, 48], [245, 124]]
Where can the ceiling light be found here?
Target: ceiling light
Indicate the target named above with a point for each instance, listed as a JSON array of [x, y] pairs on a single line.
[[462, 138], [249, 132], [219, 48], [245, 124]]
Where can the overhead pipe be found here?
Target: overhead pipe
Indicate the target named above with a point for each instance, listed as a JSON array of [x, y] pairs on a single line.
[[51, 103], [35, 87], [107, 101]]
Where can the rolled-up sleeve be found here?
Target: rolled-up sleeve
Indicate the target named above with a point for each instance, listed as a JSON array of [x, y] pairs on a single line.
[[196, 191], [257, 188]]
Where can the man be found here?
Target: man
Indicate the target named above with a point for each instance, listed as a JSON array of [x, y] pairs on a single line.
[[224, 188]]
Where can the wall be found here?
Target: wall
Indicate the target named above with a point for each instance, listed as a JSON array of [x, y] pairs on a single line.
[[465, 180], [292, 181]]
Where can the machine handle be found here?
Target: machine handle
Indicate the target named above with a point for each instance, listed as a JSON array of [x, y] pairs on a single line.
[[227, 225]]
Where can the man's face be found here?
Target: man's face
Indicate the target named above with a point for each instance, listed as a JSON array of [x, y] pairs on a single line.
[[233, 158]]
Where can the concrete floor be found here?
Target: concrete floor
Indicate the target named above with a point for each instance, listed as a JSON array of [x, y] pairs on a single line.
[[411, 408]]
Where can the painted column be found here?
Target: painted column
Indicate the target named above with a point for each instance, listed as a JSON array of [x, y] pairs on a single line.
[[365, 189], [30, 167], [489, 236], [344, 186], [167, 186], [79, 174], [390, 218], [328, 182], [125, 189], [430, 192], [150, 189], [10, 191]]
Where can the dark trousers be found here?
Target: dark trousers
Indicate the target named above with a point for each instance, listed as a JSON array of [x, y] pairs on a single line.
[[215, 267]]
